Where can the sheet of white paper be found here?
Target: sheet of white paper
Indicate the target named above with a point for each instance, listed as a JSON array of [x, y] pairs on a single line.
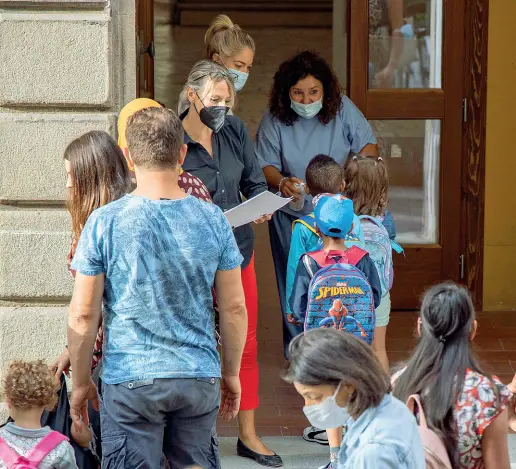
[[252, 209]]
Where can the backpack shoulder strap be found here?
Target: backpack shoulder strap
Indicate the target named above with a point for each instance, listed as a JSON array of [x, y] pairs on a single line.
[[47, 444], [414, 403], [308, 221], [318, 256], [396, 247], [355, 255], [8, 456], [371, 219], [352, 256], [322, 258], [307, 261]]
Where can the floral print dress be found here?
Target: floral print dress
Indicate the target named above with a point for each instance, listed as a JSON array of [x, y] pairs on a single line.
[[478, 405], [192, 185]]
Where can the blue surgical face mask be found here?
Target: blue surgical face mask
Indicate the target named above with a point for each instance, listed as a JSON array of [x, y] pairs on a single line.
[[239, 78], [327, 414], [306, 111]]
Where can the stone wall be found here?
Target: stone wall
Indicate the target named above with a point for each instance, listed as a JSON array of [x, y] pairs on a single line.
[[68, 66]]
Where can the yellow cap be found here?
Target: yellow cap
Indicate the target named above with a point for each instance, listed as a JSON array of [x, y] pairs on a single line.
[[131, 108]]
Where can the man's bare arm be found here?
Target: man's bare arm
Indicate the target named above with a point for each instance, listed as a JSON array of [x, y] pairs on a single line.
[[233, 318], [84, 319]]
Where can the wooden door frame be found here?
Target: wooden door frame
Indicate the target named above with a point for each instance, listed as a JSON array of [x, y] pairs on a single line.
[[424, 264], [474, 147], [472, 159], [144, 22]]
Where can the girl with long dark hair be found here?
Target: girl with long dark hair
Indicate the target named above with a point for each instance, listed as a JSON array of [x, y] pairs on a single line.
[[463, 404], [97, 174]]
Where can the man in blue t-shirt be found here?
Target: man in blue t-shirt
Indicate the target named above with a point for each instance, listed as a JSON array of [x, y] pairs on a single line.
[[151, 258]]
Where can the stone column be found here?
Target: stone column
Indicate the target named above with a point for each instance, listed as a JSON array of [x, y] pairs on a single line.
[[67, 67]]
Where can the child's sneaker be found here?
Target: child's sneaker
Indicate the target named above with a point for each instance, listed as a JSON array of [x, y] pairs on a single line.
[[315, 435]]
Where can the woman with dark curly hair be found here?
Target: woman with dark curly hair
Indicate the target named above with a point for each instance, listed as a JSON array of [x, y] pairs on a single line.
[[308, 115]]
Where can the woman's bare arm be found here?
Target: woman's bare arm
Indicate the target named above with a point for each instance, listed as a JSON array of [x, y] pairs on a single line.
[[495, 448]]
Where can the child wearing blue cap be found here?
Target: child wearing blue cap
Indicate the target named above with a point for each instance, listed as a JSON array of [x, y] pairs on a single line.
[[334, 220], [323, 176], [334, 217]]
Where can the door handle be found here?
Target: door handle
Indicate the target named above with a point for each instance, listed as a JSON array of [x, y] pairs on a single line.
[[151, 50]]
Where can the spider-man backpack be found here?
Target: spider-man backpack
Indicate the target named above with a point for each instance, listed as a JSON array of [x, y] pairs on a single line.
[[339, 294]]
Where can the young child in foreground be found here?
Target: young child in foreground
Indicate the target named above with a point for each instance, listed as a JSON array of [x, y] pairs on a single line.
[[334, 219], [323, 176], [367, 184], [30, 388]]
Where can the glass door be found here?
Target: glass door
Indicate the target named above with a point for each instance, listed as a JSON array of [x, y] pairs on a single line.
[[406, 75]]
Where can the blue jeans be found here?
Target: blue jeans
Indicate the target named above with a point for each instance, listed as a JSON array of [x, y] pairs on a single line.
[[143, 422]]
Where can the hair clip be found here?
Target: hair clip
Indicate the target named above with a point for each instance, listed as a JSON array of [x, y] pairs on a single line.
[[442, 339]]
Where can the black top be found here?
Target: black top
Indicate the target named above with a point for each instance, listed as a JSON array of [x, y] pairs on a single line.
[[299, 297], [232, 171]]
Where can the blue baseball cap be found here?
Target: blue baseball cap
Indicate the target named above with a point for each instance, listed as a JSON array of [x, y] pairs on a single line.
[[334, 215]]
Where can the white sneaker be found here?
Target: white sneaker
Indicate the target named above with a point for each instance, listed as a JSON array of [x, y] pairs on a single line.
[[316, 435]]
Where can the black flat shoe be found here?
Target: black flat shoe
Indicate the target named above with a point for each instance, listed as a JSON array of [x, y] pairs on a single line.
[[262, 459]]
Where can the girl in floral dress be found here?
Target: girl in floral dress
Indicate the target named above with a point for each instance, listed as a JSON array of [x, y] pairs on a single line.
[[464, 405]]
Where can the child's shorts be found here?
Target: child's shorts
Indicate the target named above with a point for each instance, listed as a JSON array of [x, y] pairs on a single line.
[[383, 311]]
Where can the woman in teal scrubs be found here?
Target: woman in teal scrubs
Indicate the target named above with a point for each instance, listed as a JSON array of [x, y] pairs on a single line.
[[307, 115]]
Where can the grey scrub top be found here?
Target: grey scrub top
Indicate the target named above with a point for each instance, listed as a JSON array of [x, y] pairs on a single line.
[[290, 148]]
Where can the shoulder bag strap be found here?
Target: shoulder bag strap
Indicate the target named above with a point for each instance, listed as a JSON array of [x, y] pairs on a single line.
[[414, 403]]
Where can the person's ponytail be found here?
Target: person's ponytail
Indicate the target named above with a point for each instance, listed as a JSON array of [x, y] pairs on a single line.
[[225, 38]]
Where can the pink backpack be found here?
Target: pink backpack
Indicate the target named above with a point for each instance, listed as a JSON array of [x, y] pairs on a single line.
[[14, 461], [436, 456]]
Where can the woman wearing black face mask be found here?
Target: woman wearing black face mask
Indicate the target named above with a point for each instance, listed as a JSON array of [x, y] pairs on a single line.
[[220, 153]]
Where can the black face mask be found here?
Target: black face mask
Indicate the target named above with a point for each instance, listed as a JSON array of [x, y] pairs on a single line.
[[213, 117]]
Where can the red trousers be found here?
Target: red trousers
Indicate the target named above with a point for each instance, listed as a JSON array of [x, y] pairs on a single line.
[[249, 368]]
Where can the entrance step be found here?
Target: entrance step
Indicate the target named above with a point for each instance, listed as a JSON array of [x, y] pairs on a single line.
[[296, 453]]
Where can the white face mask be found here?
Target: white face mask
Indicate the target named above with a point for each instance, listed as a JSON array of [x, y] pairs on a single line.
[[327, 414], [306, 111]]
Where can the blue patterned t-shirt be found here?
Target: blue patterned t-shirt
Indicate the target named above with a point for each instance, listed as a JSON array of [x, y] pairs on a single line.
[[159, 258]]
